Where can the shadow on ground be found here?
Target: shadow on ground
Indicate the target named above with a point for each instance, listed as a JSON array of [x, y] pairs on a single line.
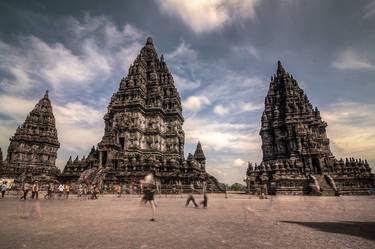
[[361, 229]]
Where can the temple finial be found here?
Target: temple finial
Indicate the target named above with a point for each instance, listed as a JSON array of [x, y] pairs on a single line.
[[149, 41], [280, 69], [46, 94]]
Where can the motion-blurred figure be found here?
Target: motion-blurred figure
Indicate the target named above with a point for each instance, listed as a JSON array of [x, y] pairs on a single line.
[[25, 191], [3, 189], [51, 190], [67, 191], [35, 190], [118, 190], [205, 200], [149, 191], [61, 190], [191, 197]]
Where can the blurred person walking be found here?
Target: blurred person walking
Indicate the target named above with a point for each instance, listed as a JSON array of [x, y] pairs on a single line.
[[35, 190], [3, 189], [80, 191], [119, 191], [85, 191], [191, 197], [148, 193], [94, 189], [67, 191], [25, 191], [61, 190], [51, 190]]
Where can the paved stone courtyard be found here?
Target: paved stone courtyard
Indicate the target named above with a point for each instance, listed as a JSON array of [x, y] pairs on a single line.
[[236, 222]]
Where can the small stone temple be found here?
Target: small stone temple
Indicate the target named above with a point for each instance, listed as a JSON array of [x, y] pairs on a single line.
[[143, 132], [33, 148], [296, 154]]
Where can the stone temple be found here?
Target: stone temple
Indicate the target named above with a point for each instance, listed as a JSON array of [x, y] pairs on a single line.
[[143, 132], [33, 149], [296, 152]]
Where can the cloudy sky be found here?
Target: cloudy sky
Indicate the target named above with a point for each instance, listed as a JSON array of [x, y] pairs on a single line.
[[221, 53]]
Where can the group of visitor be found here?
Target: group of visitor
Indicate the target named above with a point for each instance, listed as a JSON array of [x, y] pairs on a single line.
[[147, 187], [33, 187], [120, 189], [62, 190]]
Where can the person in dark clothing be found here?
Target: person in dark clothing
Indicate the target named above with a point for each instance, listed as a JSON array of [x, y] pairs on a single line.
[[35, 190], [25, 191], [205, 200], [148, 193], [3, 189], [93, 192], [191, 197]]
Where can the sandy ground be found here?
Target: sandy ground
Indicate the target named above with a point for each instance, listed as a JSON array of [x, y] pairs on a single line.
[[236, 222]]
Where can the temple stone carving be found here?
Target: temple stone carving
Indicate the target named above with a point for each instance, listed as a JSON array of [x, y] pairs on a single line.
[[296, 152], [143, 131], [33, 149]]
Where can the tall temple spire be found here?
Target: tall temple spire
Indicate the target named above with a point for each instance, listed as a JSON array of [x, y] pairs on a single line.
[[143, 129], [280, 68], [198, 154], [149, 41], [287, 109], [34, 143], [46, 95], [296, 149]]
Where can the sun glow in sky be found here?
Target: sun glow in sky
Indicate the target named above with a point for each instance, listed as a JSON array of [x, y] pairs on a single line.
[[221, 55]]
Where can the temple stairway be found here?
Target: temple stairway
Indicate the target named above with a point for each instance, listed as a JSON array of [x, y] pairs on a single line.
[[326, 189]]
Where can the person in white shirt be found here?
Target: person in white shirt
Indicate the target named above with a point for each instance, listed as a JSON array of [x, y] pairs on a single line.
[[61, 190]]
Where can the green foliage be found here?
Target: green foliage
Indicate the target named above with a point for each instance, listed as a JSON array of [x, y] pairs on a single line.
[[237, 187]]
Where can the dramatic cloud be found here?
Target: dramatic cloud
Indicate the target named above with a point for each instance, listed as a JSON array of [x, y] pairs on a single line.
[[239, 163], [222, 136], [97, 50], [351, 129], [185, 84], [183, 63], [208, 15], [221, 110], [352, 60], [250, 50], [251, 107], [33, 62], [195, 103], [79, 126], [219, 174], [233, 87], [16, 108], [369, 10]]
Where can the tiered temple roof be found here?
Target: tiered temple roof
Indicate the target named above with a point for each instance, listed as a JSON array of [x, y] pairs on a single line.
[[295, 145], [198, 154], [143, 129], [33, 149]]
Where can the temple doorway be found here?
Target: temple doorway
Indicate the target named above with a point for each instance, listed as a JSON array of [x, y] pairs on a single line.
[[316, 166], [104, 158], [122, 142]]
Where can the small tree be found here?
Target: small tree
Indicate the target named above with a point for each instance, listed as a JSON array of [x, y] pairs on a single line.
[[237, 187]]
